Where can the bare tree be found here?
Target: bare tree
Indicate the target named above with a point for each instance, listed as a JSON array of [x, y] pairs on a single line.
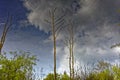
[[6, 26], [69, 42], [57, 23]]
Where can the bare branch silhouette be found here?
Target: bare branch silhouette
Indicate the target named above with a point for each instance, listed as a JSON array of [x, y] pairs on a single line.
[[56, 25], [6, 26]]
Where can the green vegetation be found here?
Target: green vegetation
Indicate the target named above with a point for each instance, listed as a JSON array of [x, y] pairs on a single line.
[[103, 75], [64, 76], [102, 71], [105, 72], [20, 67], [17, 67]]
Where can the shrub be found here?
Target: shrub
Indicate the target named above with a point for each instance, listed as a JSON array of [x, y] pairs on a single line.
[[17, 67]]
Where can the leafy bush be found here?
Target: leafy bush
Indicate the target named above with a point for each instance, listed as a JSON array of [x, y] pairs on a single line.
[[110, 73], [64, 76], [103, 75], [103, 71], [17, 67], [116, 72]]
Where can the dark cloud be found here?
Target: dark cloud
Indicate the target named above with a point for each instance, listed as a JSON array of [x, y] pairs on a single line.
[[41, 8], [96, 22], [83, 12]]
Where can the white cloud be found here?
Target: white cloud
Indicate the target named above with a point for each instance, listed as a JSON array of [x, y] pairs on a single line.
[[96, 17], [64, 64], [117, 50], [88, 7]]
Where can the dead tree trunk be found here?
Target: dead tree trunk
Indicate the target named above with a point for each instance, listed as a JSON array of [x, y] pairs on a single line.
[[57, 24], [54, 43], [6, 26], [72, 50], [69, 41], [70, 60]]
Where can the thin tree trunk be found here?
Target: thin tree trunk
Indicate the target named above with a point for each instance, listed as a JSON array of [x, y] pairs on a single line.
[[6, 26], [70, 67], [72, 64], [54, 43], [55, 58], [0, 51], [71, 51], [56, 22], [72, 48]]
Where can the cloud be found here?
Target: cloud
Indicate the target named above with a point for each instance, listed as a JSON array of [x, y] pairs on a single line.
[[90, 15], [117, 50], [39, 10], [94, 9], [96, 22], [64, 63]]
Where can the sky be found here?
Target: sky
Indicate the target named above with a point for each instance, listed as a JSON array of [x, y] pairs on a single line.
[[96, 23]]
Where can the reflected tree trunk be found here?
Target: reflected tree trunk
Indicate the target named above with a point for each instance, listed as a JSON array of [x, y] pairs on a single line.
[[6, 26], [57, 24], [69, 42]]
